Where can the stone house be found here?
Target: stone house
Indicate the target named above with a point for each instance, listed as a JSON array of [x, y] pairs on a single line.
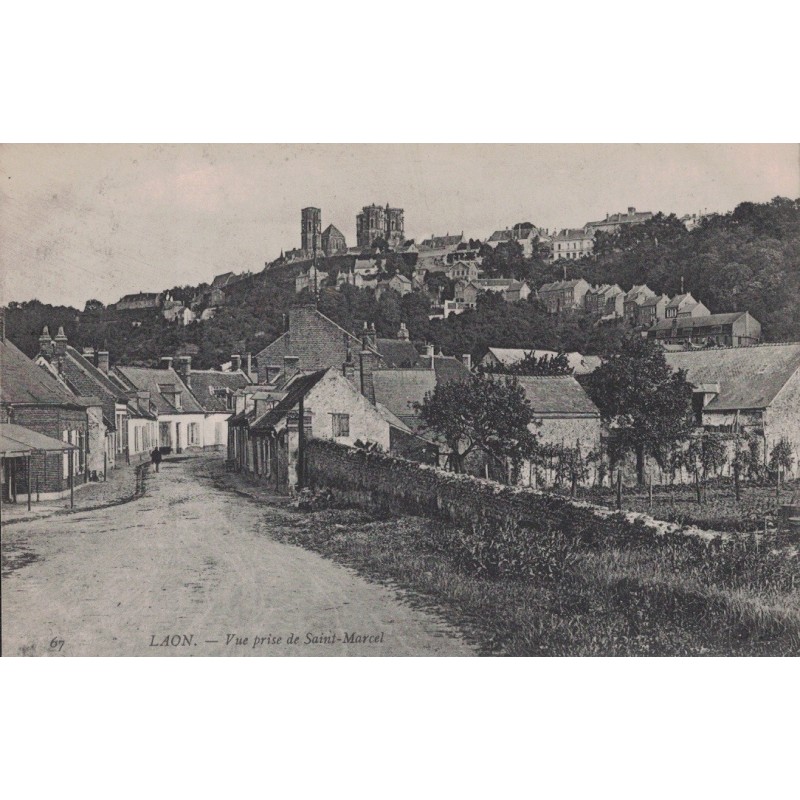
[[86, 375], [634, 299], [33, 398], [312, 279], [564, 417], [463, 270], [215, 392], [684, 305], [613, 222], [735, 329], [652, 310], [564, 295], [572, 244], [605, 299], [139, 301], [323, 404], [754, 388], [166, 391]]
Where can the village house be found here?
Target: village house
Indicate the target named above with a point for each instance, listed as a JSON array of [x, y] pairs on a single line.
[[139, 302], [397, 283], [166, 391], [564, 416], [216, 295], [86, 375], [323, 404], [463, 270], [684, 305], [33, 400], [572, 244], [524, 233], [312, 342], [613, 222], [215, 392], [512, 291], [735, 329], [312, 279], [564, 295], [754, 388], [652, 310], [605, 299], [634, 299]]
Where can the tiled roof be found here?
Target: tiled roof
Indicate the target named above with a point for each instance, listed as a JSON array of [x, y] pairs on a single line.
[[501, 236], [623, 217], [568, 234], [129, 298], [397, 352], [697, 322], [205, 381], [399, 389], [316, 340], [84, 378], [558, 286], [22, 381], [557, 396], [221, 280], [580, 364], [446, 368], [332, 230], [748, 377], [438, 242], [655, 300], [19, 440], [298, 387], [149, 379]]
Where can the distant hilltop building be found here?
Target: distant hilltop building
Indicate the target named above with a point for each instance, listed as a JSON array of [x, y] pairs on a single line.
[[333, 241], [313, 239], [378, 222], [310, 229], [613, 222]]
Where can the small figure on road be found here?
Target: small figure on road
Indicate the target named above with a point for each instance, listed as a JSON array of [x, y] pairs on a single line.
[[155, 457]]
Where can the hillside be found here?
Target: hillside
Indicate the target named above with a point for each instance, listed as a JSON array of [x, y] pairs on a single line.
[[748, 259]]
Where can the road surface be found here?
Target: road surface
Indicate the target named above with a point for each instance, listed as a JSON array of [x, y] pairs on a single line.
[[192, 570]]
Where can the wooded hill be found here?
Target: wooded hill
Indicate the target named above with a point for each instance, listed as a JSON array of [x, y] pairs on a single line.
[[746, 260]]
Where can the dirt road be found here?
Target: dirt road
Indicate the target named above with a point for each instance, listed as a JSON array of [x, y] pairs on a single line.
[[191, 570]]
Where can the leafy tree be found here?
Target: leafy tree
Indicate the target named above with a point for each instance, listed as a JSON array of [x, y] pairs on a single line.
[[488, 415], [533, 365], [781, 457], [647, 405], [93, 306]]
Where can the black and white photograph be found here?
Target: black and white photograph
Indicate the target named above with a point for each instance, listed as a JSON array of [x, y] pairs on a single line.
[[400, 400]]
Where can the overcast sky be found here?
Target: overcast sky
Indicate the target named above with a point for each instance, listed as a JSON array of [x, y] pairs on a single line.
[[100, 221]]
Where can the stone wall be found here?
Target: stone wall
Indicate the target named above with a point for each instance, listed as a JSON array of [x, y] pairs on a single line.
[[388, 485]]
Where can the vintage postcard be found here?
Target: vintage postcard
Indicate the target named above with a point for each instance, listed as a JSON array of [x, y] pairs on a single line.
[[400, 400]]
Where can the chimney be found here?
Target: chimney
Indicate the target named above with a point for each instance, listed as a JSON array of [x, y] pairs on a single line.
[[467, 360], [249, 364], [60, 349], [367, 384], [291, 364], [236, 362], [402, 334], [349, 367], [45, 343], [88, 353], [429, 352], [166, 362], [102, 361], [631, 211], [185, 370]]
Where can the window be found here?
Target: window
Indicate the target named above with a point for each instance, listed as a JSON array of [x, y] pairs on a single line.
[[341, 424], [193, 433]]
